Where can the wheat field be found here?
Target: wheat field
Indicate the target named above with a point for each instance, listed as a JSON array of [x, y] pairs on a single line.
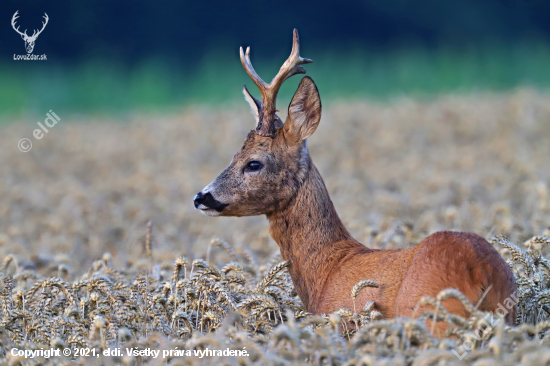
[[101, 247]]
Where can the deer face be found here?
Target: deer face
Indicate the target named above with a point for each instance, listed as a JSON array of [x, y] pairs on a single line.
[[273, 161], [29, 42], [266, 173]]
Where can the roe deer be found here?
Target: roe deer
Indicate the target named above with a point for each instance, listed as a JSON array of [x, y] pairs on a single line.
[[273, 175]]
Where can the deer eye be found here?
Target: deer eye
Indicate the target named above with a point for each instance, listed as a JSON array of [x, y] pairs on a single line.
[[253, 166]]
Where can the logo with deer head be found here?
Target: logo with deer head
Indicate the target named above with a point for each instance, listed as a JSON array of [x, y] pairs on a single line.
[[29, 40]]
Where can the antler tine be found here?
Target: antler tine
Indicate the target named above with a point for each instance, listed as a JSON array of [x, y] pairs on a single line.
[[43, 24], [13, 19], [292, 64], [245, 60]]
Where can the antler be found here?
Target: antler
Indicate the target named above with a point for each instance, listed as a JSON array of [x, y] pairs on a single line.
[[34, 34], [266, 123], [15, 16], [43, 26]]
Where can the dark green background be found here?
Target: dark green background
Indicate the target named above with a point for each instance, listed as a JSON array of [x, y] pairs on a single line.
[[112, 56]]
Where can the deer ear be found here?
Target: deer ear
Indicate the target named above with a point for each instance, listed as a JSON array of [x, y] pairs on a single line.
[[255, 104], [304, 111]]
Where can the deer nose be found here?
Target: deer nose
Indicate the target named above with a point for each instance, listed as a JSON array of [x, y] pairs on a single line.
[[205, 201], [199, 199]]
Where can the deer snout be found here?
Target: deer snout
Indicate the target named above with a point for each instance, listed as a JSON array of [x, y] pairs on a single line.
[[206, 202]]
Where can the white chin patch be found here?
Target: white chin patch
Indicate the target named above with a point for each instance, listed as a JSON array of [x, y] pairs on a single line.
[[208, 211]]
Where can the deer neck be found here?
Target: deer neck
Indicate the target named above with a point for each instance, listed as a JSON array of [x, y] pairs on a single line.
[[308, 231]]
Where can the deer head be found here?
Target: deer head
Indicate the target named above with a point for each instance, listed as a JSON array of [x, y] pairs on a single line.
[[29, 41], [266, 173]]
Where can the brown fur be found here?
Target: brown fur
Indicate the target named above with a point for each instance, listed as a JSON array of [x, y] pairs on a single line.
[[325, 261]]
